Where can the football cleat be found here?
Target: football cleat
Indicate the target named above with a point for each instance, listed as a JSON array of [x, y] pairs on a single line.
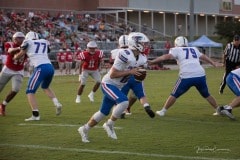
[[228, 113], [127, 112], [91, 97], [218, 111], [78, 100], [2, 110], [58, 108], [84, 134], [122, 116], [110, 131], [149, 111], [33, 118], [160, 113]]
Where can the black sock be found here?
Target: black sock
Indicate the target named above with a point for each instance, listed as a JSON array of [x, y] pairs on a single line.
[[35, 113]]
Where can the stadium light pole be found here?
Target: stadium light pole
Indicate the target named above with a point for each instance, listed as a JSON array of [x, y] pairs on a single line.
[[191, 20]]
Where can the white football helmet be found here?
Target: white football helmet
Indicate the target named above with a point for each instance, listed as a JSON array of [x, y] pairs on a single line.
[[123, 41], [91, 47], [181, 41], [18, 38], [92, 44], [31, 35], [137, 41], [18, 34]]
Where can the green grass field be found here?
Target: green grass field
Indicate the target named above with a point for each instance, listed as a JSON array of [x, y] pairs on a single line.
[[188, 131]]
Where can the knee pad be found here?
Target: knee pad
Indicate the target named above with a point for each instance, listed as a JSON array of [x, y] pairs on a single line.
[[98, 116], [118, 110]]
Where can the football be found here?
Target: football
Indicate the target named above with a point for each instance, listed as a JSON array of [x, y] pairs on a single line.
[[142, 76]]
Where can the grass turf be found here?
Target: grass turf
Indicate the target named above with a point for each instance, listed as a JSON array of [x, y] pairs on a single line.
[[188, 131]]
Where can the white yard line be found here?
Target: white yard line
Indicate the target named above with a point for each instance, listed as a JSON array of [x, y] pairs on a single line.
[[57, 125], [109, 152]]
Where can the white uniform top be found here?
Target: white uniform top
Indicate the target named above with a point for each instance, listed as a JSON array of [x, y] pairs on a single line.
[[141, 60], [188, 61], [37, 51], [236, 72], [114, 53], [124, 61]]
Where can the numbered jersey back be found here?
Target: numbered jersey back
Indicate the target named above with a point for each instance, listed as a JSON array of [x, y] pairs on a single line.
[[37, 51], [188, 61]]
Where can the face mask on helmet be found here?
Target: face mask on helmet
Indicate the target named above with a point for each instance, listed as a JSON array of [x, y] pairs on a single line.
[[32, 36], [138, 41]]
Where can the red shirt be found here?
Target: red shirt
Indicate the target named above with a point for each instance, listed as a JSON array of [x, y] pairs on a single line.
[[69, 57], [91, 61], [15, 65], [147, 51], [77, 56], [61, 57]]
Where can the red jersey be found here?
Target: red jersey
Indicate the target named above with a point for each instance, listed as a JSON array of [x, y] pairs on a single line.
[[77, 56], [69, 56], [147, 51], [15, 65], [91, 61], [61, 57]]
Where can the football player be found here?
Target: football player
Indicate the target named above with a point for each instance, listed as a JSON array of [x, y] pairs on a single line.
[[37, 50], [191, 73], [77, 60], [135, 87], [90, 65], [69, 61], [233, 81], [61, 59], [123, 67], [12, 70]]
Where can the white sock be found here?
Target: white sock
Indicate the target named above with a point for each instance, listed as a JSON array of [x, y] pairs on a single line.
[[110, 122], [164, 110], [78, 96], [92, 93], [4, 103], [145, 105], [55, 100], [87, 127]]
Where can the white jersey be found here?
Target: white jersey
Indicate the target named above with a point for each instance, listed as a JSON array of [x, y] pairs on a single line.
[[124, 61], [141, 59], [37, 51], [236, 72], [115, 52], [188, 61]]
